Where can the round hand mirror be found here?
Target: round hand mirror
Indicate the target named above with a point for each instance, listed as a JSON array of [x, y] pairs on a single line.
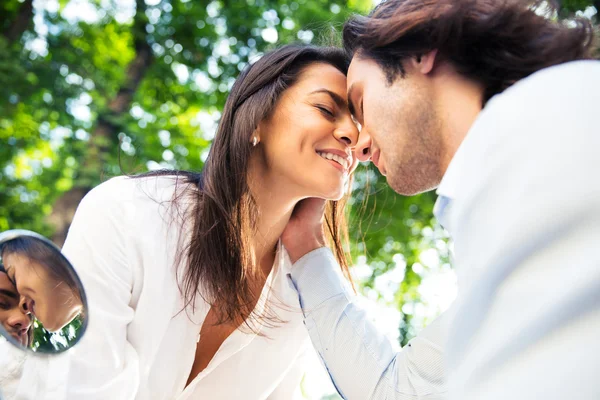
[[43, 308]]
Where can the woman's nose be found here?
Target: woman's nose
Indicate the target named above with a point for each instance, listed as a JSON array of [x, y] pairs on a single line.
[[347, 133], [363, 146], [23, 306]]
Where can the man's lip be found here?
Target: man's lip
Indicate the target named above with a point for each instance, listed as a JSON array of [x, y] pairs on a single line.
[[375, 157], [20, 336]]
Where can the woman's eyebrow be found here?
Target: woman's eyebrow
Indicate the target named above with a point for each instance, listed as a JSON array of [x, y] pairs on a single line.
[[7, 269], [339, 100]]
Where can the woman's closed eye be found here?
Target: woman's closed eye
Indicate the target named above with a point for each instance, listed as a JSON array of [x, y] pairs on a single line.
[[325, 110], [12, 278]]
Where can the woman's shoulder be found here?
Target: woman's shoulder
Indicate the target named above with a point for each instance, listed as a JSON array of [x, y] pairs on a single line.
[[126, 199], [139, 189]]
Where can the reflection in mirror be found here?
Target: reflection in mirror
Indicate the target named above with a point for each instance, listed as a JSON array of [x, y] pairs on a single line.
[[42, 303]]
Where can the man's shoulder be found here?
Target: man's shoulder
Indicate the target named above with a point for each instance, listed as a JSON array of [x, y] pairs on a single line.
[[554, 100], [567, 70], [560, 83], [548, 113]]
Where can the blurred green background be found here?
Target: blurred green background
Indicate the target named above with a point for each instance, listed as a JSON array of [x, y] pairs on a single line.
[[90, 86]]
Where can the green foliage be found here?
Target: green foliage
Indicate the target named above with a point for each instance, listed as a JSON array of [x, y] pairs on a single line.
[[52, 342], [392, 231], [571, 6]]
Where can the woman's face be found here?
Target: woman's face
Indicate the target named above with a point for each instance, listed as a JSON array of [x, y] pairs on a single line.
[[49, 300], [16, 322], [307, 140]]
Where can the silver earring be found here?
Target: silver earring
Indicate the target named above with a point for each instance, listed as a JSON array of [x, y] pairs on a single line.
[[254, 141]]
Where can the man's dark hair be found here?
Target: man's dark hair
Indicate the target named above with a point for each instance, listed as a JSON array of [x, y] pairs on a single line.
[[495, 42]]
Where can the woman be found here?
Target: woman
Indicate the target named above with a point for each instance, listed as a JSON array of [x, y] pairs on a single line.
[[185, 276], [42, 278]]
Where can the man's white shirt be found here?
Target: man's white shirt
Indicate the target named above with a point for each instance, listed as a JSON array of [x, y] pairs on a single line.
[[522, 204], [521, 200]]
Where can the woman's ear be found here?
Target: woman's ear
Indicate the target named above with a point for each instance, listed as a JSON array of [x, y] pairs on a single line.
[[255, 137]]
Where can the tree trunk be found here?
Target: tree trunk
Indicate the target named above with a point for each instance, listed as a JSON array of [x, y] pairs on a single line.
[[62, 213], [21, 22], [104, 136]]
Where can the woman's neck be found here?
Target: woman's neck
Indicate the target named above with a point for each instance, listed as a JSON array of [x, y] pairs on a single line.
[[275, 207], [274, 213]]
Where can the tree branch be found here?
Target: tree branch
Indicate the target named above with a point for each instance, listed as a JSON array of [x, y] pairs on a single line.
[[21, 22], [105, 133]]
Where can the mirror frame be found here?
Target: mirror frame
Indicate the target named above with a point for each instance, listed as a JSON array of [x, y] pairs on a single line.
[[15, 233]]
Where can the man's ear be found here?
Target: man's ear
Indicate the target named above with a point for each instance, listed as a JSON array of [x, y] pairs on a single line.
[[424, 63]]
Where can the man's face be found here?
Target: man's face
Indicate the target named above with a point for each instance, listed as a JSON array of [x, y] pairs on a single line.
[[401, 129], [15, 321]]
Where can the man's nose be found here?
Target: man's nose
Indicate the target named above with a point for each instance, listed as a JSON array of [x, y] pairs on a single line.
[[363, 146], [18, 321]]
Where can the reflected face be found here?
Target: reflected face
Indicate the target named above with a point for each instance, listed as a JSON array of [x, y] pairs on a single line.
[[401, 128], [307, 139], [15, 321], [49, 300]]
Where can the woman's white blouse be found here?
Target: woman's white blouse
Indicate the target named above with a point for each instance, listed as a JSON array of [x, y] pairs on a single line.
[[141, 342]]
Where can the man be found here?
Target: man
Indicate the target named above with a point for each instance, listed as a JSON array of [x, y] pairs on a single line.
[[490, 102], [17, 324], [15, 321]]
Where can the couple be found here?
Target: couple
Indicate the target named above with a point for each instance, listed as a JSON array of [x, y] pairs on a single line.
[[213, 286], [44, 287]]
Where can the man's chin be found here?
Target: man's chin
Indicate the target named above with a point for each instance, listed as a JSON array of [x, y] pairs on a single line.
[[407, 190], [403, 187], [22, 340]]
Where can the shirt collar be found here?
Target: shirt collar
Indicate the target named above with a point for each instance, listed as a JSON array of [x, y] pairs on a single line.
[[448, 187], [449, 184]]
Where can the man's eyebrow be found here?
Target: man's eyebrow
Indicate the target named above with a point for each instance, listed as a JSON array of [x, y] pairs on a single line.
[[350, 104], [9, 293], [339, 100]]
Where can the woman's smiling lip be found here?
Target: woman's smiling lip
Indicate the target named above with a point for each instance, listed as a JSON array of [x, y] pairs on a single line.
[[345, 155]]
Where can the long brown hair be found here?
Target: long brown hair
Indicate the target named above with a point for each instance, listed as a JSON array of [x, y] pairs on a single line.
[[220, 266], [495, 42], [50, 258]]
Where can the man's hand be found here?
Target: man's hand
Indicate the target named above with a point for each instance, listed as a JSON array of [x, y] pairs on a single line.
[[304, 231]]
